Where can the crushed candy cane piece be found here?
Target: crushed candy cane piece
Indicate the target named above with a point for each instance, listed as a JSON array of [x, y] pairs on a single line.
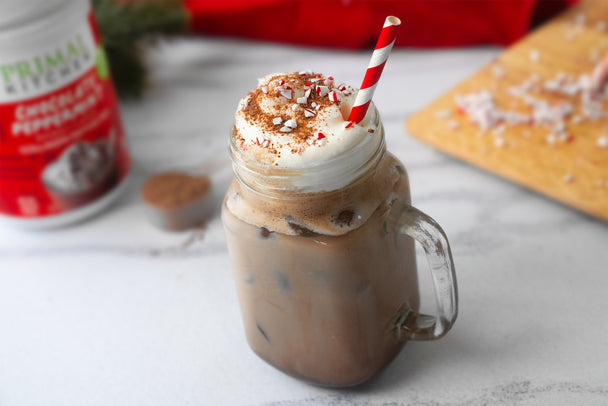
[[566, 137], [479, 107], [500, 142], [333, 96], [544, 113], [344, 89], [277, 120], [446, 113], [322, 90], [302, 100], [286, 93], [291, 123], [498, 71], [309, 113], [453, 125], [534, 55], [498, 131], [347, 124]]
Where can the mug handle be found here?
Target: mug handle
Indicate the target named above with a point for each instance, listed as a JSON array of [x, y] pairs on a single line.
[[407, 323]]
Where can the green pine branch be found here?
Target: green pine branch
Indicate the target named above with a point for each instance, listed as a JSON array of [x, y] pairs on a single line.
[[126, 26]]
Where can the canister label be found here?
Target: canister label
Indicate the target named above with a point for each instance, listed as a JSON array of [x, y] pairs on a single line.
[[61, 140]]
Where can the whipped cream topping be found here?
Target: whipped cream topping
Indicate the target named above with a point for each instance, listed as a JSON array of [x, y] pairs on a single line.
[[299, 119]]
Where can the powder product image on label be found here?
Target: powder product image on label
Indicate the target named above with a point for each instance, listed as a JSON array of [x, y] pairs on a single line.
[[83, 172]]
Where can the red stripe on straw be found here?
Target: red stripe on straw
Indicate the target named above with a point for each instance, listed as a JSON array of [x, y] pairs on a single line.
[[374, 69], [359, 111], [387, 35], [372, 75]]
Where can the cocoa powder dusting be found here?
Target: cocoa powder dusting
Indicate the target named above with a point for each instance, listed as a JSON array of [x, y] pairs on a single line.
[[298, 137]]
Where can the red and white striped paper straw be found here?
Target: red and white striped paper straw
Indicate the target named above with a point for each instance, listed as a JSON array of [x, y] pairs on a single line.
[[374, 69]]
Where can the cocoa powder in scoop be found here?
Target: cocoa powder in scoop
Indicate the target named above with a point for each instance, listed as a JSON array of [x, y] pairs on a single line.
[[173, 189], [177, 200]]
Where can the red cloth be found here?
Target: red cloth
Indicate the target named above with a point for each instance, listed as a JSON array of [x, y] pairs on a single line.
[[356, 24]]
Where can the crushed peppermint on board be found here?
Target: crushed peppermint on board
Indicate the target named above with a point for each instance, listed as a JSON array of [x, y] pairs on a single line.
[[500, 142], [453, 125], [534, 55], [585, 94], [498, 71], [446, 113]]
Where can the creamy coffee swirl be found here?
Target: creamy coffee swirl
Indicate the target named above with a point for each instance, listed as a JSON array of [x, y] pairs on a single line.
[[294, 120]]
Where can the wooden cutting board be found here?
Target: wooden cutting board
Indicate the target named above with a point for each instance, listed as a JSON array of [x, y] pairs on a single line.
[[572, 169]]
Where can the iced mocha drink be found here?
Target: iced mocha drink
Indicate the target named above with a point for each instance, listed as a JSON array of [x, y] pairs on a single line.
[[319, 268]]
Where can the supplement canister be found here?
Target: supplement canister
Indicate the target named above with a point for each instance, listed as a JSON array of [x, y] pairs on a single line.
[[63, 153]]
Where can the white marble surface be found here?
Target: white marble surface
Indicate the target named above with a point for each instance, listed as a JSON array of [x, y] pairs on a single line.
[[115, 312]]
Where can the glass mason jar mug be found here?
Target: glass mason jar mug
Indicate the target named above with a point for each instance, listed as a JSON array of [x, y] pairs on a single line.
[[324, 264]]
